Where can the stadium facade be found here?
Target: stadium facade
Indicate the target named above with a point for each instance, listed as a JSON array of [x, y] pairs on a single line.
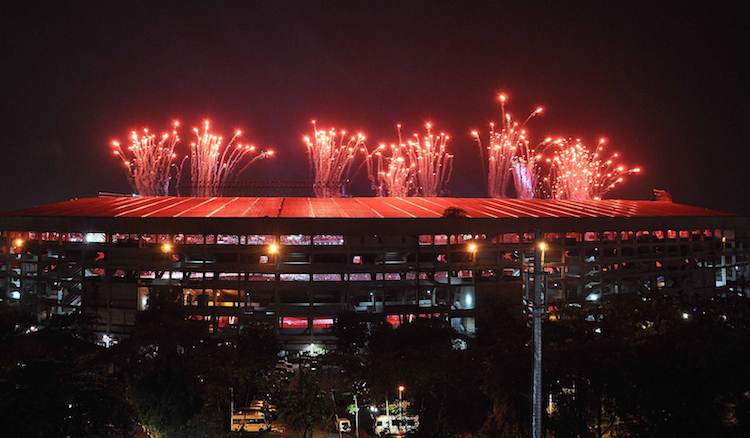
[[297, 263]]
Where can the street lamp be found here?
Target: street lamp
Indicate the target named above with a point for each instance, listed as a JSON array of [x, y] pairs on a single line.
[[401, 389], [273, 249], [18, 242], [167, 248], [542, 248], [536, 313]]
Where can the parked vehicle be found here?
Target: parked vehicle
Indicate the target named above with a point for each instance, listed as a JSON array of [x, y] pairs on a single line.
[[343, 425], [250, 420], [396, 425]]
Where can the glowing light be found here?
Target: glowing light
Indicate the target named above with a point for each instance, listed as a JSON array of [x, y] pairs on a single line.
[[577, 172], [18, 242], [391, 170], [472, 247], [215, 163], [509, 157], [331, 155], [150, 161], [166, 248], [417, 166], [401, 388], [273, 248], [542, 246]]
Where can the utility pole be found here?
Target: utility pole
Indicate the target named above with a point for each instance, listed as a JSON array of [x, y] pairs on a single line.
[[537, 312], [356, 416], [231, 406]]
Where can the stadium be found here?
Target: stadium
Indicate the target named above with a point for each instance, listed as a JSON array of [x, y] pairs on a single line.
[[298, 263]]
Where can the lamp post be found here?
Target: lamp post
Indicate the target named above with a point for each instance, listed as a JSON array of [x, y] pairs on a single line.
[[401, 389], [536, 313], [356, 416]]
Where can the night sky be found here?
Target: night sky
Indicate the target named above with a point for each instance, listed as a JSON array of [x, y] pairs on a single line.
[[668, 87]]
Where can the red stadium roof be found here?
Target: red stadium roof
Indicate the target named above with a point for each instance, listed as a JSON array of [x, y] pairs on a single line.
[[404, 208]]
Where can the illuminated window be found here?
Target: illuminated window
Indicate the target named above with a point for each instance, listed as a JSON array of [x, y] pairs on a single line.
[[256, 276], [465, 273], [148, 238], [441, 275], [511, 272], [511, 238], [322, 323], [96, 237], [210, 239], [294, 277], [263, 259], [326, 277], [360, 276], [441, 239], [163, 238], [295, 239], [94, 272], [357, 260], [51, 236], [227, 239], [147, 275], [194, 239], [393, 320], [488, 273], [425, 239], [293, 322], [73, 237], [260, 239], [328, 239], [457, 239]]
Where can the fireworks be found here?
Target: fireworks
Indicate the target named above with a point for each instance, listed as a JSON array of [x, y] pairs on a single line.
[[331, 154], [578, 173], [510, 156], [214, 163], [391, 170], [433, 165], [150, 161]]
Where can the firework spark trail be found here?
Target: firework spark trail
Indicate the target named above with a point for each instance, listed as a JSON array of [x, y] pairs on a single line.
[[331, 155], [150, 160], [214, 163], [509, 156], [578, 173], [432, 162], [391, 170]]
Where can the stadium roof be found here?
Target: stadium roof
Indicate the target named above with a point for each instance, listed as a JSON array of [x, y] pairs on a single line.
[[341, 208]]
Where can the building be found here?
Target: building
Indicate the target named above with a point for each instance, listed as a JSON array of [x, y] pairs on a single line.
[[297, 263]]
